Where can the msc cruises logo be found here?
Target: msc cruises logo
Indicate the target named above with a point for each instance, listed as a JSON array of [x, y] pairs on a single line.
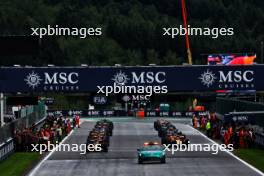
[[207, 78], [53, 81], [120, 78], [232, 79], [33, 80]]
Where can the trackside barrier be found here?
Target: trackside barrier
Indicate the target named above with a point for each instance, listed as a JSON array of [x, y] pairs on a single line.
[[226, 105], [259, 139], [26, 118], [30, 116], [178, 114], [88, 113], [118, 113], [248, 118], [6, 148], [246, 112]]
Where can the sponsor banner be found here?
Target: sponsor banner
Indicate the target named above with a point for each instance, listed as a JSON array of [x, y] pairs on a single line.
[[245, 117], [162, 79], [87, 113], [6, 149], [49, 101], [174, 113], [242, 118], [118, 113]]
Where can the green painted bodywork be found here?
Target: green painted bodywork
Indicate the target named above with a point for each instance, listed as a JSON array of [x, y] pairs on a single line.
[[151, 152]]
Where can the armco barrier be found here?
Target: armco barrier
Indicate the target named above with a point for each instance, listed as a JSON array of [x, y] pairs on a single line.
[[6, 132], [6, 148]]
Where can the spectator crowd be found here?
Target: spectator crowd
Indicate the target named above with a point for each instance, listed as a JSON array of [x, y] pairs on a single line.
[[237, 133], [54, 129]]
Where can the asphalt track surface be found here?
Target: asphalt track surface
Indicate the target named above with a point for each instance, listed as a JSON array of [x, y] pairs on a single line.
[[121, 160]]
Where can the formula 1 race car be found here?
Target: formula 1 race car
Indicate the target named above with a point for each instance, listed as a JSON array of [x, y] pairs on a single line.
[[159, 123], [169, 134], [174, 138], [98, 140], [167, 129], [106, 124], [151, 151], [100, 134]]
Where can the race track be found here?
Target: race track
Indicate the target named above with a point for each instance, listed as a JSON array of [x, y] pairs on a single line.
[[121, 160]]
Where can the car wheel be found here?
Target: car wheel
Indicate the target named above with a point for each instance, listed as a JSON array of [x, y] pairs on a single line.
[[105, 149], [163, 160], [163, 141], [140, 161], [159, 134]]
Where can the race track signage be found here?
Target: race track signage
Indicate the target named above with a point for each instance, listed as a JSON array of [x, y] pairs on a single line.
[[174, 113], [118, 113], [100, 100], [87, 113], [162, 79]]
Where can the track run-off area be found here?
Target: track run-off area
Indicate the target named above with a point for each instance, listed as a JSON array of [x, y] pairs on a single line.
[[121, 160]]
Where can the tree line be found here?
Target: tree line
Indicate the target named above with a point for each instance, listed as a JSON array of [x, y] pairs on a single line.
[[132, 30]]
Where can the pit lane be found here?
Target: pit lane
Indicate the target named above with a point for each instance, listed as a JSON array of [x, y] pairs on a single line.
[[121, 160]]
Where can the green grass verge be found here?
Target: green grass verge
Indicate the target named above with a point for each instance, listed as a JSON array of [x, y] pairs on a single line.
[[18, 163], [254, 157]]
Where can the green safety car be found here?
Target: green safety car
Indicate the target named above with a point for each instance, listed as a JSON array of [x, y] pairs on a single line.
[[151, 151]]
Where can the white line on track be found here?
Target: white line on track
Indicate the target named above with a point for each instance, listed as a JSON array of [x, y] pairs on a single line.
[[33, 172], [231, 154]]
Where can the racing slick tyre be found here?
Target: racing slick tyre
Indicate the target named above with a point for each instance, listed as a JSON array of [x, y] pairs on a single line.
[[159, 133], [163, 141], [105, 149], [140, 161], [163, 160], [155, 125]]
